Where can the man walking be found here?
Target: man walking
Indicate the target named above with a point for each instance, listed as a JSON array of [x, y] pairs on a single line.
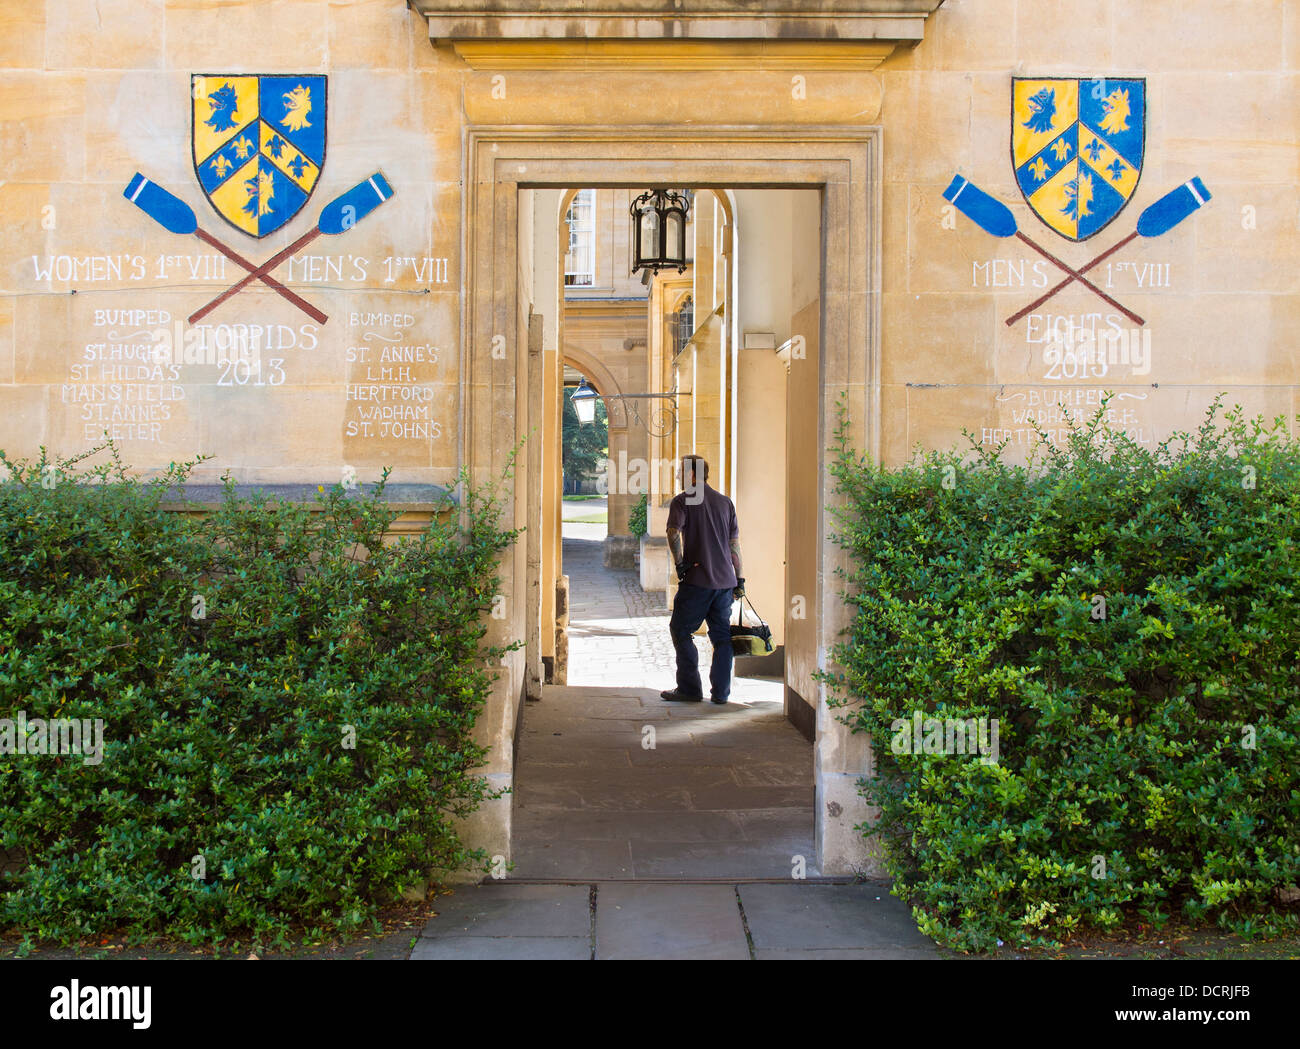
[[704, 540]]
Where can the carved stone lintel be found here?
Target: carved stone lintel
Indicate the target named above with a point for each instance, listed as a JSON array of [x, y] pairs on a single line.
[[675, 33]]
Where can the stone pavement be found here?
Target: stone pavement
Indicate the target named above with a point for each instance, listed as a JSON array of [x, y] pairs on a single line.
[[618, 633], [617, 784], [614, 783], [646, 829], [644, 920]]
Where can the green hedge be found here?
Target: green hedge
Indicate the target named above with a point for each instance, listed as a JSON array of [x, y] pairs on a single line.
[[1149, 745], [287, 721]]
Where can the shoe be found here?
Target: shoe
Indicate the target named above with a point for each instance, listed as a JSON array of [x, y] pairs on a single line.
[[720, 702], [672, 695]]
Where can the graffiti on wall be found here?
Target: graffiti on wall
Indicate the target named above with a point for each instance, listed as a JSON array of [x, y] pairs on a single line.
[[1077, 147], [1077, 150], [259, 148], [258, 143]]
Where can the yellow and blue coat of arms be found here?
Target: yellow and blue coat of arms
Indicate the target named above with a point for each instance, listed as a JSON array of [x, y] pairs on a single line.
[[1077, 146], [259, 145]]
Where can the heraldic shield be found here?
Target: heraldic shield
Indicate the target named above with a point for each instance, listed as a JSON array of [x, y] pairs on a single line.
[[259, 145], [1077, 146]]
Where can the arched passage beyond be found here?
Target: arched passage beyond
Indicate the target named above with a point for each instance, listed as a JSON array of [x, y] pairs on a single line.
[[602, 381]]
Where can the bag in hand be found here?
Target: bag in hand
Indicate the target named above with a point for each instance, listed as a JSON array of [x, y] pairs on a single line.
[[753, 640]]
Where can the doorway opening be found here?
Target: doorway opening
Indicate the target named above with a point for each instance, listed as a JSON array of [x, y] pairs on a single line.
[[612, 780], [520, 389]]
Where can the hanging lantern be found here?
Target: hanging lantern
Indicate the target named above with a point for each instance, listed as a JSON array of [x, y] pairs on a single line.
[[659, 231], [584, 402]]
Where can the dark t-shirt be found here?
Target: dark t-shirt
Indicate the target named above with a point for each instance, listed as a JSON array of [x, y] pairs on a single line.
[[707, 529]]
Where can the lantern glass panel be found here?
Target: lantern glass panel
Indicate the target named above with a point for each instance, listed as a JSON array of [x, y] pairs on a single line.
[[674, 253], [651, 249]]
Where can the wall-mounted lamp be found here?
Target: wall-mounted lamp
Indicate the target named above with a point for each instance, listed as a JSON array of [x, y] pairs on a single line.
[[662, 421]]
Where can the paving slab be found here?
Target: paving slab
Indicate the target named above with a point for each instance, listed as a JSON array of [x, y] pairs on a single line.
[[848, 954], [601, 825], [503, 948], [592, 802], [502, 909], [646, 921], [789, 921], [560, 858], [816, 917], [719, 859]]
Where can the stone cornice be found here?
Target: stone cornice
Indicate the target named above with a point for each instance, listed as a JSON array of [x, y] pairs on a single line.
[[675, 34]]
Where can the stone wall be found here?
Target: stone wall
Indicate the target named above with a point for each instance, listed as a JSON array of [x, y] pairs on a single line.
[[1217, 292], [84, 104], [90, 284]]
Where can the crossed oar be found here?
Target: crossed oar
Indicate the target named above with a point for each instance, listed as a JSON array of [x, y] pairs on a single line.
[[340, 214], [994, 217], [174, 215]]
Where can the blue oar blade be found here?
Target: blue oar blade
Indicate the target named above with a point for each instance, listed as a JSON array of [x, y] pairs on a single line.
[[344, 212], [1172, 208], [988, 213], [168, 211]]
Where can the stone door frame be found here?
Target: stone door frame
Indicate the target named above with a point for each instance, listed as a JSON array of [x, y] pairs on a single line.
[[844, 164]]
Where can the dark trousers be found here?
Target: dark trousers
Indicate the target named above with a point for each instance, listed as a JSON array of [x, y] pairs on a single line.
[[691, 607]]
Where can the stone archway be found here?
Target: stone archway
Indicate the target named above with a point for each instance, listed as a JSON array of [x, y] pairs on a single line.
[[843, 164], [602, 381], [619, 548]]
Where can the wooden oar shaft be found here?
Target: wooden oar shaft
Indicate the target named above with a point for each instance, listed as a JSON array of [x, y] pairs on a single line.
[[1069, 280], [256, 274], [265, 278], [1077, 275]]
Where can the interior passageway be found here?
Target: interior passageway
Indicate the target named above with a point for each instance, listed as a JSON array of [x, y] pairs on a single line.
[[614, 783]]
